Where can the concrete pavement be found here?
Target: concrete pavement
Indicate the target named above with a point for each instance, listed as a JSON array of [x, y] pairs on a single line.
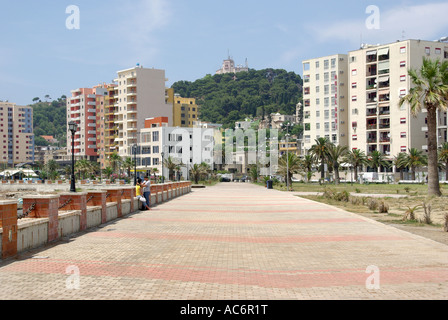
[[233, 241]]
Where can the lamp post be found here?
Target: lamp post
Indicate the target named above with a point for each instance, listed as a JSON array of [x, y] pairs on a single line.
[[134, 147], [163, 176], [287, 157], [72, 127]]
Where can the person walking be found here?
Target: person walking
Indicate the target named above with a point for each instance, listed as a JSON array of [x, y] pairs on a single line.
[[146, 185], [139, 194]]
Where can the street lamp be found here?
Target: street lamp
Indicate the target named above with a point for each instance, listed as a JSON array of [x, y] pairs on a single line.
[[134, 147], [163, 176], [72, 126], [287, 156]]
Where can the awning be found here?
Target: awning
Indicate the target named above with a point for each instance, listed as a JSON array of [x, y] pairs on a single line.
[[383, 79], [384, 51], [371, 53], [383, 65]]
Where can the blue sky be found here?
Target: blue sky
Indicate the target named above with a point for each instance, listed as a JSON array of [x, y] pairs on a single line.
[[188, 38]]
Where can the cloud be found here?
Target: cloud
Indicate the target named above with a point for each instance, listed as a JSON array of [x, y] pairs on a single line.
[[426, 22], [137, 27]]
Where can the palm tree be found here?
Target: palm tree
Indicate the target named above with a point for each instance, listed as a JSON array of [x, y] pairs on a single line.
[[443, 157], [171, 166], [378, 159], [308, 162], [253, 172], [128, 164], [431, 93], [197, 170], [400, 163], [288, 164], [115, 161], [320, 152], [416, 159], [356, 158], [335, 156], [108, 171]]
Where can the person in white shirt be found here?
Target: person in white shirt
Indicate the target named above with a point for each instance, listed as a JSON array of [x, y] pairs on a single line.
[[146, 185]]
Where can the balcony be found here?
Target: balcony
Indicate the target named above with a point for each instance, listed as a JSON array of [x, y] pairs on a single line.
[[371, 126], [371, 112], [133, 101], [371, 139], [384, 125], [91, 110]]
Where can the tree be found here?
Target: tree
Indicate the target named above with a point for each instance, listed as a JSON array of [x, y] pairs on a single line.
[[128, 164], [415, 159], [356, 158], [430, 92], [108, 171], [36, 99], [253, 172], [170, 164], [308, 162], [320, 152], [443, 157], [197, 170], [289, 164], [115, 161], [378, 159], [400, 163], [52, 167], [335, 156]]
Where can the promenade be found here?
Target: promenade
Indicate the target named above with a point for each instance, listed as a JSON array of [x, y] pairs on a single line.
[[233, 241]]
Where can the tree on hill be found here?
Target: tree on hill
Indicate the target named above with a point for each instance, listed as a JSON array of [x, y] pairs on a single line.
[[223, 99]]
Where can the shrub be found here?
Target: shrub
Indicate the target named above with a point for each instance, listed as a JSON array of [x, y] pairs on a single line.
[[427, 215], [373, 204], [383, 207], [410, 213], [342, 196], [357, 190]]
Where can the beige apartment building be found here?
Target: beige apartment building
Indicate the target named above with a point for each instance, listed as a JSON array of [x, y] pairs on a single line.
[[16, 134], [325, 103], [140, 94], [378, 77]]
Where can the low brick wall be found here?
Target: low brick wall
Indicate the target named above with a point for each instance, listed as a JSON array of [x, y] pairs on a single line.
[[47, 218]]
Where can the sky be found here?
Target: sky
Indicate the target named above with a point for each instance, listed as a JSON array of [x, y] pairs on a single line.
[[42, 54]]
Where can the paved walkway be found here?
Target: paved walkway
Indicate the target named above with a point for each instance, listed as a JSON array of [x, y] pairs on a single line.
[[233, 241]]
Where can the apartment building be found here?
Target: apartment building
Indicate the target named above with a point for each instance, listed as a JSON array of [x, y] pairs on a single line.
[[107, 130], [82, 109], [325, 91], [185, 146], [378, 78], [16, 134], [140, 94], [185, 110]]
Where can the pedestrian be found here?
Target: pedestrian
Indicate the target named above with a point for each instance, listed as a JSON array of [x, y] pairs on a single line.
[[139, 194], [146, 185]]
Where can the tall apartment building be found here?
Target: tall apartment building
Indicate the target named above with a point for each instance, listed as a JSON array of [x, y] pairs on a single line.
[[185, 110], [325, 105], [16, 134], [378, 77], [140, 94], [107, 130], [82, 109]]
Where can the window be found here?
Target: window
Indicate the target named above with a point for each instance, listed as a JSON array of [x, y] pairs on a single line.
[[427, 50], [306, 66], [317, 101], [317, 126], [333, 63], [317, 114], [403, 135], [354, 85], [317, 89], [403, 50], [354, 124], [306, 78], [402, 120], [155, 136], [306, 90], [354, 98], [352, 59], [326, 64], [317, 64], [317, 77], [354, 137], [155, 149], [326, 89], [438, 51], [403, 77], [403, 148], [326, 76], [402, 92], [354, 72]]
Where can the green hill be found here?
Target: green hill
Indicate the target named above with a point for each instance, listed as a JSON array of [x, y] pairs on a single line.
[[50, 120], [228, 98]]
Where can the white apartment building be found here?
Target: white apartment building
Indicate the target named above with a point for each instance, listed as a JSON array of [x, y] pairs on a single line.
[[325, 103], [140, 94], [186, 146], [378, 77]]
